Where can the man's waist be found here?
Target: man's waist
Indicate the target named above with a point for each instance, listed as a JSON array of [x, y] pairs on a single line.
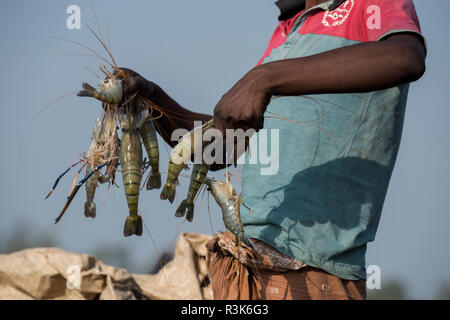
[[261, 256]]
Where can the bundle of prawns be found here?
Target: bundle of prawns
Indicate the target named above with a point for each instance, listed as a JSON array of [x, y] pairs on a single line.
[[134, 115], [104, 149]]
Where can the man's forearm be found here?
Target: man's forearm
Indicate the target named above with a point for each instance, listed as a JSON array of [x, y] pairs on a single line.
[[176, 116], [359, 68]]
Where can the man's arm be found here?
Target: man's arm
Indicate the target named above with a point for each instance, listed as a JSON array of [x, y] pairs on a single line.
[[176, 116], [358, 68]]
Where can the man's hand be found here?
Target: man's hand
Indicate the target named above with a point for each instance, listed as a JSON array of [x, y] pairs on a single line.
[[136, 83], [244, 105], [174, 115]]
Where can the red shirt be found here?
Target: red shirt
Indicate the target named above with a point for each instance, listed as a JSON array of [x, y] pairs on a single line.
[[357, 20]]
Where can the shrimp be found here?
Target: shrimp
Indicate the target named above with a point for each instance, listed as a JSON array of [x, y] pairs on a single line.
[[91, 183], [198, 176], [179, 159], [111, 90], [90, 210], [150, 142], [230, 203], [131, 163], [101, 151]]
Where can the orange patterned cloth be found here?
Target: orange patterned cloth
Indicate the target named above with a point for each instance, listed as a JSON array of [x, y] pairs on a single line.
[[261, 272]]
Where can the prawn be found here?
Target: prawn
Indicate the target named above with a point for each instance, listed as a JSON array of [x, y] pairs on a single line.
[[131, 164], [99, 151], [230, 203], [198, 177], [150, 142], [111, 90], [180, 157]]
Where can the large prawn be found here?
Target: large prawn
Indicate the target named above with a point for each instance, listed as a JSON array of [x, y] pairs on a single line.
[[180, 157], [131, 122], [229, 202], [110, 91], [150, 142], [91, 183], [198, 176], [104, 147]]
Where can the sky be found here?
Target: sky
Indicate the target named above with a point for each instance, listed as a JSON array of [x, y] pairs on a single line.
[[196, 51]]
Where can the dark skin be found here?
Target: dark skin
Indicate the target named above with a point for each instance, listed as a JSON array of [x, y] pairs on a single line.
[[182, 117], [363, 67]]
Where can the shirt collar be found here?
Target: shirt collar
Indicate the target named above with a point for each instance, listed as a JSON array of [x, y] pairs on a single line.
[[289, 8], [327, 5]]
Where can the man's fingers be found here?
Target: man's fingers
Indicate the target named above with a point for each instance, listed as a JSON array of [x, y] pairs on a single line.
[[257, 123], [130, 85], [129, 72], [126, 86], [218, 124]]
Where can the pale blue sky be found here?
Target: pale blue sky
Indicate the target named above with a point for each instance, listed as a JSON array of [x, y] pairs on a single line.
[[196, 50]]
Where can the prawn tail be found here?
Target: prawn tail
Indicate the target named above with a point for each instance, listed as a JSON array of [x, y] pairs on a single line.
[[88, 91], [154, 181], [133, 225], [90, 209], [168, 192], [185, 208]]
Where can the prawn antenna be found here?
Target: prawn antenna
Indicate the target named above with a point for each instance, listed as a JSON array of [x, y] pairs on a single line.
[[75, 190], [59, 178]]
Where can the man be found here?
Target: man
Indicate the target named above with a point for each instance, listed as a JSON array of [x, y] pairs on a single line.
[[342, 68]]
